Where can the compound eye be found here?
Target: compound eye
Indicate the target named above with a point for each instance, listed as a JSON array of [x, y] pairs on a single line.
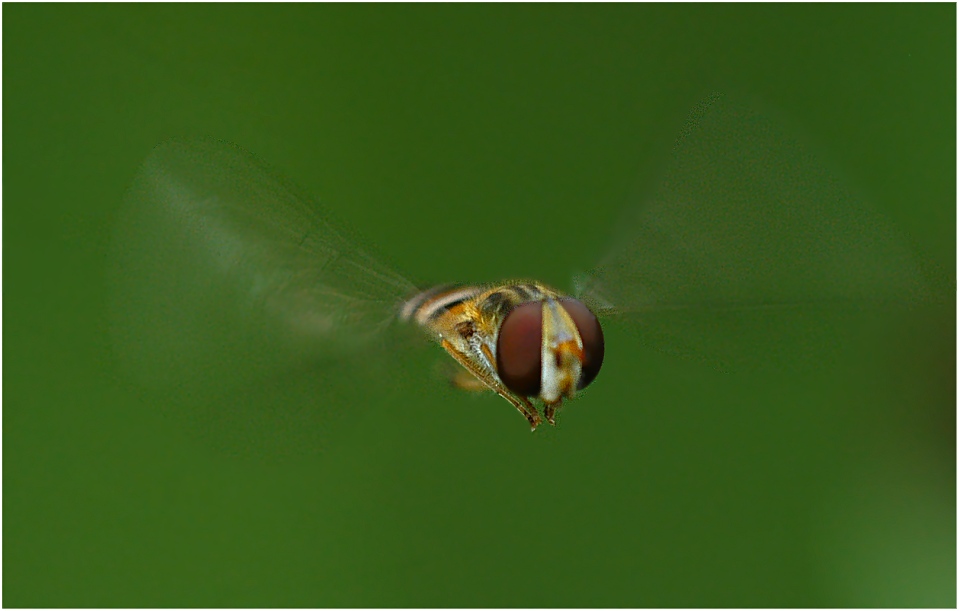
[[594, 347], [519, 349]]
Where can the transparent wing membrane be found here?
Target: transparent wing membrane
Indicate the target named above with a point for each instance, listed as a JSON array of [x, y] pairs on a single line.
[[223, 268], [747, 236]]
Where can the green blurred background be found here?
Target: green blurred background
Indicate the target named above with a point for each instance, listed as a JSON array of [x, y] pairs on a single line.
[[669, 484]]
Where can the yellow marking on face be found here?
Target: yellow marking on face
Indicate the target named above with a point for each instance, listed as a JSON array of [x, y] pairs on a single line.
[[568, 348]]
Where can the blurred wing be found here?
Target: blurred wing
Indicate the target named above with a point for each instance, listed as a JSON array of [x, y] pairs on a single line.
[[222, 269], [747, 236]]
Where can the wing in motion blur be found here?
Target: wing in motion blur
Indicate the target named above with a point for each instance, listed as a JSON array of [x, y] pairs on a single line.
[[222, 268], [746, 230]]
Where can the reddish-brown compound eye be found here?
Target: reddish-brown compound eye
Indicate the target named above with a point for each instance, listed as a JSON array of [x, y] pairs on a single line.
[[519, 349], [594, 347], [519, 346]]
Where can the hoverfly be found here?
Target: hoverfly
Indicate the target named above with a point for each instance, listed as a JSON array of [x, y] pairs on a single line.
[[518, 339], [219, 262]]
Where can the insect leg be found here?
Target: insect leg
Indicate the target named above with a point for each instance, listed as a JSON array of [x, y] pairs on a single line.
[[521, 403]]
